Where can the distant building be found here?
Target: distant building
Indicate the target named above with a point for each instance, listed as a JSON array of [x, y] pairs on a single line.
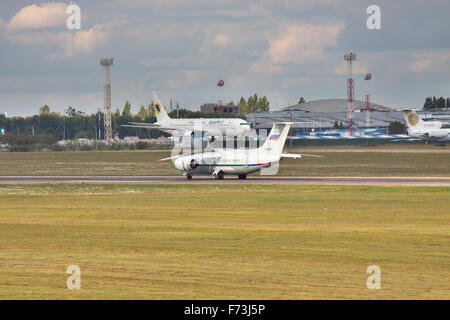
[[214, 108], [322, 115]]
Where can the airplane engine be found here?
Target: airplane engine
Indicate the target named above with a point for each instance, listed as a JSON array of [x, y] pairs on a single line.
[[194, 164]]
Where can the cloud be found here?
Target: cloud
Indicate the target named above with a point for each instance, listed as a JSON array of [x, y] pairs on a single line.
[[46, 15], [435, 62], [298, 44], [222, 40], [287, 48], [186, 79], [32, 25], [70, 43], [85, 41]]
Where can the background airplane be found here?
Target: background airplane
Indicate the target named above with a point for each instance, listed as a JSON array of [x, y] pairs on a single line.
[[369, 133], [426, 130], [208, 127]]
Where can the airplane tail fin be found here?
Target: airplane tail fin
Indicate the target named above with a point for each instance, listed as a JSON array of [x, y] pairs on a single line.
[[160, 109], [413, 120], [274, 143]]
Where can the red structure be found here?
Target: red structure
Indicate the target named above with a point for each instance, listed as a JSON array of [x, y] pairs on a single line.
[[367, 78], [220, 84]]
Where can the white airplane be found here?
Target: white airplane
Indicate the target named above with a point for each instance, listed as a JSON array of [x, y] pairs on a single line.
[[240, 162], [425, 130], [209, 127]]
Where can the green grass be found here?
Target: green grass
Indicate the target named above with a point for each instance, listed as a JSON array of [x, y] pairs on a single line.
[[224, 242], [145, 163]]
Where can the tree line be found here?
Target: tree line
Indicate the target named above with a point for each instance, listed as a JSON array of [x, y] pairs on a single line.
[[432, 103], [74, 124], [253, 104]]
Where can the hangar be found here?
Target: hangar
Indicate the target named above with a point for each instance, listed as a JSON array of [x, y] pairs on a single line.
[[323, 114]]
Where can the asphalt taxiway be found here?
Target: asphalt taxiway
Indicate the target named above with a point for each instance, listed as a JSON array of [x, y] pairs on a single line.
[[251, 180]]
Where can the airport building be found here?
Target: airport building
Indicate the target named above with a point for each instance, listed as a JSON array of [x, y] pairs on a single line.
[[322, 115], [214, 108]]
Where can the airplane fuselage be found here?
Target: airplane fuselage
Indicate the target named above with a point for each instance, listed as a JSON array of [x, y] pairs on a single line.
[[430, 131], [229, 162], [212, 127]]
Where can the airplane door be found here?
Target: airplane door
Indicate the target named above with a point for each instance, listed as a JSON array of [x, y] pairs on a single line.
[[211, 162], [246, 159]]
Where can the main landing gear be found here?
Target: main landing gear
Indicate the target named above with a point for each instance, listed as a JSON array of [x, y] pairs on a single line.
[[219, 175], [188, 176], [242, 176]]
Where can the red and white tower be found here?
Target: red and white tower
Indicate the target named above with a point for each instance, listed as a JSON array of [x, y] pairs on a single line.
[[220, 85], [367, 79], [349, 58]]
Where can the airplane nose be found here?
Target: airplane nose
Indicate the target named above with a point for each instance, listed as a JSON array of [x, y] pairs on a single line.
[[178, 164]]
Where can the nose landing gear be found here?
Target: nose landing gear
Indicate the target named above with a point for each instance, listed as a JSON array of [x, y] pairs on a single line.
[[219, 175]]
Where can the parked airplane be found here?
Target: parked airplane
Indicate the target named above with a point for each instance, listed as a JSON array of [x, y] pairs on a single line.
[[208, 127], [358, 133], [241, 162], [426, 130]]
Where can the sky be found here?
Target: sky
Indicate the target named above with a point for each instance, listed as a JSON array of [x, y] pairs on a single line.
[[182, 48]]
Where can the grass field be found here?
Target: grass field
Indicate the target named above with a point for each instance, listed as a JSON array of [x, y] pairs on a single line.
[[224, 242], [145, 163]]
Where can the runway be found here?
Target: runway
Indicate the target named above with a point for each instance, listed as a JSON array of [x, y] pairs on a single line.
[[252, 180]]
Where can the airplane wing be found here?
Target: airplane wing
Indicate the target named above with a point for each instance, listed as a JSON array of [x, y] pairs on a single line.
[[145, 125], [305, 122], [312, 155], [412, 139], [171, 158], [291, 155], [205, 159], [296, 156]]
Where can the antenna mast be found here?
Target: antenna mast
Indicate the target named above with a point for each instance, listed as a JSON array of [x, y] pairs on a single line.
[[349, 58], [107, 63]]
